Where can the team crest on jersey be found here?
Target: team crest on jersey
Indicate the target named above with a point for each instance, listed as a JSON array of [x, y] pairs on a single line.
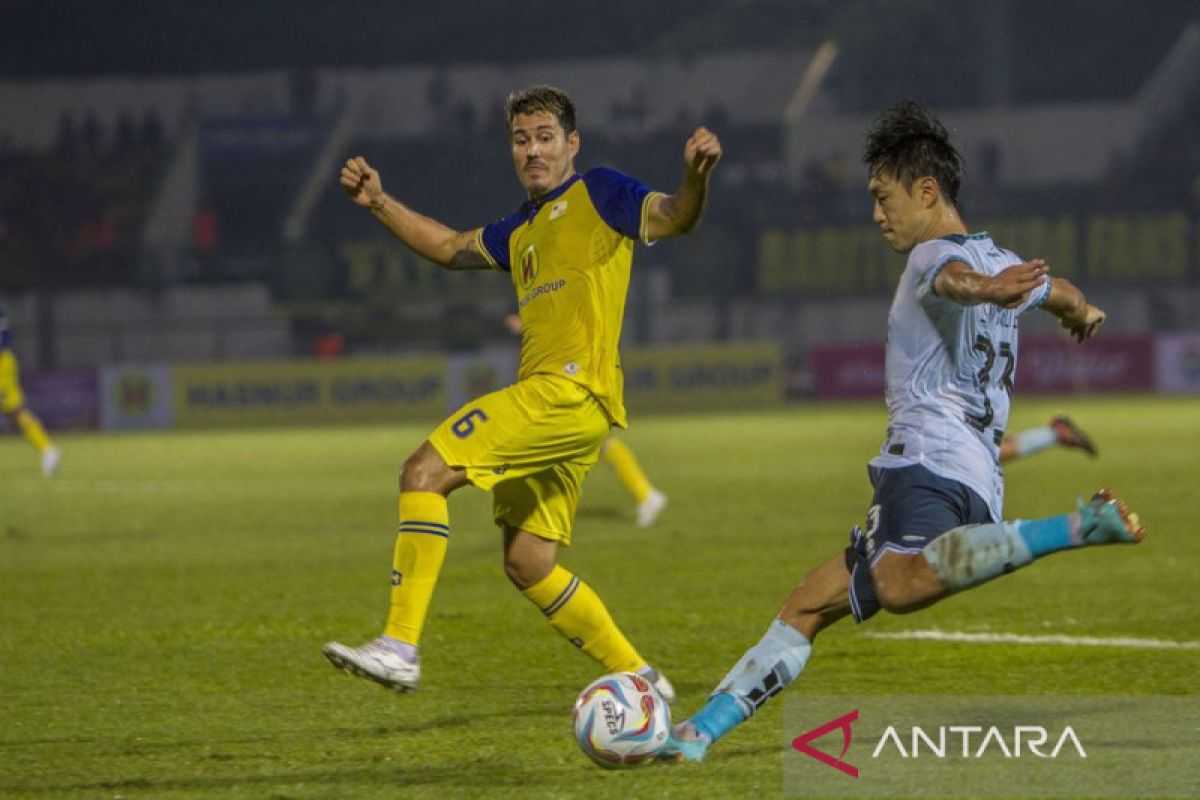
[[558, 209], [529, 266]]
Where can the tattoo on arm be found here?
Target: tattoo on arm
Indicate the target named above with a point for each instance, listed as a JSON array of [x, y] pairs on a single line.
[[468, 258]]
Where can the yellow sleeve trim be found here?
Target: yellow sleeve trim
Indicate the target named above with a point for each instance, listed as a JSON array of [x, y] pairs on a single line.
[[483, 250], [642, 230]]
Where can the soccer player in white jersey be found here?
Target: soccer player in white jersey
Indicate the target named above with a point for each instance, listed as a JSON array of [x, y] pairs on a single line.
[[934, 526]]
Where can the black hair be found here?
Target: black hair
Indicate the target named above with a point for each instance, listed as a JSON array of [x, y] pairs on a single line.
[[908, 142]]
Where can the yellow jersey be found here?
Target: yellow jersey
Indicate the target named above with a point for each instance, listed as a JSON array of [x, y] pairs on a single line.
[[569, 254]]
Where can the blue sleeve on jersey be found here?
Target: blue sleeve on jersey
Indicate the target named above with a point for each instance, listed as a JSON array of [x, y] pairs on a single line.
[[618, 199], [1037, 297], [495, 238]]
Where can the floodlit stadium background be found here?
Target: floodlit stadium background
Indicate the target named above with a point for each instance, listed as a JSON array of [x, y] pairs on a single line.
[[168, 192]]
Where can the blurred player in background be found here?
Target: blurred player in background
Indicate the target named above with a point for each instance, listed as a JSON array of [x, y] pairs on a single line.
[[12, 403], [650, 501], [569, 249], [934, 526]]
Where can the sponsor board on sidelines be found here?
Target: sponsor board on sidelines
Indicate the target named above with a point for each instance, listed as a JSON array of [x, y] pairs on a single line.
[[63, 398], [958, 746], [469, 375], [135, 397], [854, 369], [1108, 363], [284, 392], [1177, 362], [1044, 365], [748, 375]]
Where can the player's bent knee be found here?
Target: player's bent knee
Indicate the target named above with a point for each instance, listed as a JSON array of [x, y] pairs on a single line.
[[425, 471], [524, 573]]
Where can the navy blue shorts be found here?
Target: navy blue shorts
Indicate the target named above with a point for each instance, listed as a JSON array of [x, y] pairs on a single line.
[[911, 507]]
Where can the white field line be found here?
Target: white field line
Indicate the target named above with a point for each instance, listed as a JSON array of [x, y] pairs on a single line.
[[1057, 639]]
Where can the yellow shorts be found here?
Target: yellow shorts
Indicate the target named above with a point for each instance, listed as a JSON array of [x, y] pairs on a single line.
[[10, 388], [530, 444]]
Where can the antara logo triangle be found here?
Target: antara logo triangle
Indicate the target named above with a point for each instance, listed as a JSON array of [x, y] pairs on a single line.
[[842, 723]]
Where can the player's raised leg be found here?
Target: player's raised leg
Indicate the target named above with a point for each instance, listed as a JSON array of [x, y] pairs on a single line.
[[973, 554], [884, 569], [421, 542]]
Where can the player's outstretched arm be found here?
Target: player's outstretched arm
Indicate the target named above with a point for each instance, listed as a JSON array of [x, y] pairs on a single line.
[[1068, 303], [675, 214], [427, 237], [1008, 288]]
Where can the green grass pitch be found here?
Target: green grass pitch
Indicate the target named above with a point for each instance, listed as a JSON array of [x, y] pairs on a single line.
[[164, 600]]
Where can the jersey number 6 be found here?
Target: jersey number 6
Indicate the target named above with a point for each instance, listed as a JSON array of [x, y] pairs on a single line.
[[464, 426]]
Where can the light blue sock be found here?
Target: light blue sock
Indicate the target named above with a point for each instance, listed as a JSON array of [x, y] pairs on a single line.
[[764, 671], [1043, 536], [1035, 440], [721, 714]]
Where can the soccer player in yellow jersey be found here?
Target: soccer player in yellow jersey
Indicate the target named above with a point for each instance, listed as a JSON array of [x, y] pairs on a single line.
[[12, 403], [569, 250], [650, 501]]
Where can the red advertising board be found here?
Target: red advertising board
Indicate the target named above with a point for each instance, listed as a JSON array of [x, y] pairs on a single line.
[[1105, 364], [1044, 366], [848, 370]]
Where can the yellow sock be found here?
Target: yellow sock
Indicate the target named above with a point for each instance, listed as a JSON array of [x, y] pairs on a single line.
[[575, 611], [31, 426], [417, 562], [629, 472]]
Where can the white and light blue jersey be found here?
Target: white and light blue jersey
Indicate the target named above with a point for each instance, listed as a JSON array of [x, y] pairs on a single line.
[[950, 369]]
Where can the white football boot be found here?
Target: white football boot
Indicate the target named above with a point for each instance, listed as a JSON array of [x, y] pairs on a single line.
[[649, 509], [50, 459], [375, 661], [659, 682]]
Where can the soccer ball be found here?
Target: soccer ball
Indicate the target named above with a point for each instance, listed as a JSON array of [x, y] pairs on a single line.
[[621, 721]]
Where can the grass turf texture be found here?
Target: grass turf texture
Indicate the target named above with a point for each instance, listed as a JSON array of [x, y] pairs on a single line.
[[163, 602]]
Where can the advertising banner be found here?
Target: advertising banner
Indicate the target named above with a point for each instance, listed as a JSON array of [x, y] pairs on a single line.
[[1044, 366], [63, 398], [1177, 362], [731, 376], [848, 370], [286, 392], [135, 397], [469, 375], [1108, 363]]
